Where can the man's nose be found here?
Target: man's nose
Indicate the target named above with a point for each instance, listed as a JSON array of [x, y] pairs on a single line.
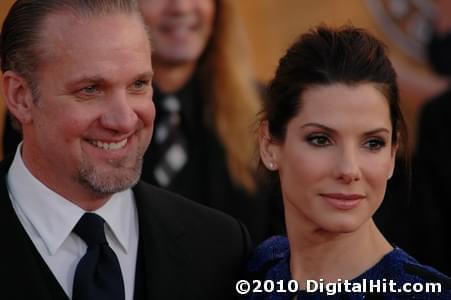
[[347, 168], [119, 115]]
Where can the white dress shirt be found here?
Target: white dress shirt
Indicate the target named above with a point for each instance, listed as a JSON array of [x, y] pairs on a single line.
[[48, 218]]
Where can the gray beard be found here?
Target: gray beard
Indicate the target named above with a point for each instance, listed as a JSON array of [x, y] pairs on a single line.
[[108, 183]]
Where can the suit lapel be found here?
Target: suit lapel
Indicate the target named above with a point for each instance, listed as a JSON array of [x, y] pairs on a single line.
[[23, 270], [162, 253]]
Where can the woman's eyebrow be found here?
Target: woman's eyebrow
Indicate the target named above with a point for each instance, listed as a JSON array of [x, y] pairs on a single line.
[[324, 127]]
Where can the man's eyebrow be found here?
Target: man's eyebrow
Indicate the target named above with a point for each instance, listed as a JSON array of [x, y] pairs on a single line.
[[101, 80], [87, 79], [148, 75]]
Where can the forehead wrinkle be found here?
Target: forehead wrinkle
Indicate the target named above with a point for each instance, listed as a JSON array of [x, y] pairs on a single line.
[[62, 49], [92, 79], [52, 40], [52, 34], [99, 79]]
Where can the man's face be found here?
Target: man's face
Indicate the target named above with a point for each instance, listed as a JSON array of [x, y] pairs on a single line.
[[94, 116], [180, 29]]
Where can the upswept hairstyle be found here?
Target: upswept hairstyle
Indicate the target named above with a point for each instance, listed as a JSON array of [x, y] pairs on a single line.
[[325, 56], [232, 90], [20, 41]]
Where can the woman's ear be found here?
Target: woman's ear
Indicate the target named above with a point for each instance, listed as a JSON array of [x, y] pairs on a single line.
[[269, 150], [18, 96]]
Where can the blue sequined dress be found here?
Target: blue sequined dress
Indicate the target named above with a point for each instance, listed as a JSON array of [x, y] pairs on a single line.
[[271, 262]]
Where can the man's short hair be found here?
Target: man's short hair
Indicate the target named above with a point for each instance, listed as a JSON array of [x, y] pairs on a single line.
[[20, 43]]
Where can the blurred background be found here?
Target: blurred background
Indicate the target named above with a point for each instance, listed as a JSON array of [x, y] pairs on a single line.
[[405, 26]]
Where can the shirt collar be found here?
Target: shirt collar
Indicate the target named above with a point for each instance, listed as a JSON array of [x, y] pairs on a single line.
[[119, 214], [54, 217]]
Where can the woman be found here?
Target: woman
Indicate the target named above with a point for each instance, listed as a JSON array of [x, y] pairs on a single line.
[[330, 131]]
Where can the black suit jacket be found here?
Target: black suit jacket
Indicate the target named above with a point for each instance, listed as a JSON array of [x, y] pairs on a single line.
[[186, 251], [205, 178], [431, 182]]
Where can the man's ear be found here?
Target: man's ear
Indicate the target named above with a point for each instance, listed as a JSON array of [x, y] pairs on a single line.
[[269, 149], [18, 96]]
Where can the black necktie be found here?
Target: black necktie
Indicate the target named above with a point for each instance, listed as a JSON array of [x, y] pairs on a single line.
[[172, 141], [98, 275]]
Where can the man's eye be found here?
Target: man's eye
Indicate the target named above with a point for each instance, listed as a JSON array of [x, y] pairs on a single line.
[[319, 140], [89, 90], [139, 85]]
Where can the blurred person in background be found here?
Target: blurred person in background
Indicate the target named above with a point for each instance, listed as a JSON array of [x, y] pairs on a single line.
[[206, 100], [432, 158]]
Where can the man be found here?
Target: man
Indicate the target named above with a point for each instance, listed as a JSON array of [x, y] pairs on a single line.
[[76, 77], [207, 101]]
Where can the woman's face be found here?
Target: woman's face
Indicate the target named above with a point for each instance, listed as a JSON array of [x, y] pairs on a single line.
[[336, 157]]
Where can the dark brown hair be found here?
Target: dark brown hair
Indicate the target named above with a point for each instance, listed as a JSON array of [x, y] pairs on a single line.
[[325, 56]]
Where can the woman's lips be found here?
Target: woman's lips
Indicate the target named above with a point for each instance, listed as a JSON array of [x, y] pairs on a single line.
[[343, 201]]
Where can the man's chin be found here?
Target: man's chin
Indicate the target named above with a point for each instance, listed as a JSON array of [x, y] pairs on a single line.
[[111, 184], [109, 179]]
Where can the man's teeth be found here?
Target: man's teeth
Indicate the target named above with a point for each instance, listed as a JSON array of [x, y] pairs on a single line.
[[109, 146]]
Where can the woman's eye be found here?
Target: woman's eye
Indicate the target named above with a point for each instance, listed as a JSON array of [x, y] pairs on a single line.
[[319, 140], [375, 144]]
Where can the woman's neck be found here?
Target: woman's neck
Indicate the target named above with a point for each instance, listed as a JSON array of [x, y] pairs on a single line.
[[316, 254]]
